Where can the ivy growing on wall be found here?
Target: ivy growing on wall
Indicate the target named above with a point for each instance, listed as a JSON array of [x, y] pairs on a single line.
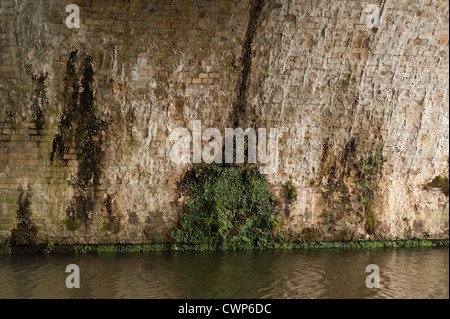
[[368, 173], [229, 208]]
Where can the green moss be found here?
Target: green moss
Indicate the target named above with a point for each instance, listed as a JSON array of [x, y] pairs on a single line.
[[362, 184], [407, 235], [51, 111], [370, 218], [439, 182], [373, 164], [49, 248], [71, 224], [105, 249], [102, 60], [129, 249], [5, 248], [158, 239], [229, 208], [106, 227], [366, 245], [82, 249], [365, 184], [291, 193]]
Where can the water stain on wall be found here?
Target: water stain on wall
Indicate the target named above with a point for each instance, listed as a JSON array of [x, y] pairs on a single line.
[[239, 108], [79, 137], [25, 232], [39, 101]]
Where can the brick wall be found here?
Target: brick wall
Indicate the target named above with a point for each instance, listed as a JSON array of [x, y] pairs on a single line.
[[85, 113]]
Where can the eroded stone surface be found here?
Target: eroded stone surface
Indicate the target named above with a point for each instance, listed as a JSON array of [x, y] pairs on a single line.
[[86, 113]]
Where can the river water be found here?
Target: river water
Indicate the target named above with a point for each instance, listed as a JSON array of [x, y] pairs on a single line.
[[404, 273]]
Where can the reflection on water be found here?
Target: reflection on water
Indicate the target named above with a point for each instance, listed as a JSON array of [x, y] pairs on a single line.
[[405, 273]]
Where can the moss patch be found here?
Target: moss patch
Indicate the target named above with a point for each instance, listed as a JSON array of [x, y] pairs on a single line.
[[370, 218], [49, 248], [102, 249], [369, 170], [441, 183], [5, 248], [71, 225], [291, 192], [364, 244]]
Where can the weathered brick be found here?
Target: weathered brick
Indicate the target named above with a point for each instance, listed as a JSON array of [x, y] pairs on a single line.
[[317, 81]]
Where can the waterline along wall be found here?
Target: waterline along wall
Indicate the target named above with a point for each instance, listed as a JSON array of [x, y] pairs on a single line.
[[86, 114]]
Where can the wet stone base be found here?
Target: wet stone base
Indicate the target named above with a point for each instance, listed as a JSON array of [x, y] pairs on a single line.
[[50, 248]]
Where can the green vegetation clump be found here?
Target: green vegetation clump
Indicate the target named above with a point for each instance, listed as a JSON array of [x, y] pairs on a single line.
[[109, 227], [49, 248], [158, 239], [108, 249], [5, 248], [106, 227], [125, 249], [369, 170], [373, 164], [71, 225], [439, 182], [363, 244], [82, 249], [370, 218], [229, 208], [292, 194]]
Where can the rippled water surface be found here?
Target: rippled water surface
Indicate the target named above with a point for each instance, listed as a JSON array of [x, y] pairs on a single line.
[[404, 273]]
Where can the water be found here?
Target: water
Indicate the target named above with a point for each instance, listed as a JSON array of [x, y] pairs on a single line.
[[404, 273]]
